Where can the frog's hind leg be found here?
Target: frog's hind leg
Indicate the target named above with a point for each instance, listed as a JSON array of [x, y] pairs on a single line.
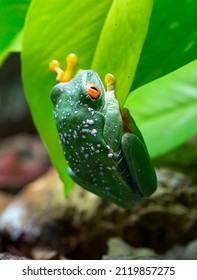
[[139, 163]]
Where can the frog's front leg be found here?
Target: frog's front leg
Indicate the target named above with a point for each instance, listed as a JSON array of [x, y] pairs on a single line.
[[113, 127], [139, 163]]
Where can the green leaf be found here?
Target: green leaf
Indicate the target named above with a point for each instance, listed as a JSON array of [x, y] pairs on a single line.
[[120, 44], [65, 27], [15, 46], [61, 28], [166, 109], [12, 16], [171, 41]]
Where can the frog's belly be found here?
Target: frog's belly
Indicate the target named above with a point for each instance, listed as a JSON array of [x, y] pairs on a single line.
[[94, 166], [104, 177]]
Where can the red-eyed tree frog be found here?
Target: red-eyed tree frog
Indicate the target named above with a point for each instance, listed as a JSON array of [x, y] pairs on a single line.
[[102, 144]]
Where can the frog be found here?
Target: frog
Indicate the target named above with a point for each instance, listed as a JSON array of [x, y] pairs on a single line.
[[103, 146]]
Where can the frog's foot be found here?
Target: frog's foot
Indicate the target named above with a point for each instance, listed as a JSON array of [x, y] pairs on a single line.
[[64, 76], [109, 81]]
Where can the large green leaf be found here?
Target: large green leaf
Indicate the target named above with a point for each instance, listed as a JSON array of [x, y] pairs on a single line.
[[166, 109], [171, 40], [62, 27], [12, 16], [75, 26], [121, 42]]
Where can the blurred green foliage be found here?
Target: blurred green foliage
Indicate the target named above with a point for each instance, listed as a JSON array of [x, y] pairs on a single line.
[[12, 17]]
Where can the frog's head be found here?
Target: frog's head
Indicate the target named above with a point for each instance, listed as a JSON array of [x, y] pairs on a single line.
[[85, 88]]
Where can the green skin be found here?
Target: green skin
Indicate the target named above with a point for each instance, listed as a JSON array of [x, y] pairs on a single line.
[[104, 148]]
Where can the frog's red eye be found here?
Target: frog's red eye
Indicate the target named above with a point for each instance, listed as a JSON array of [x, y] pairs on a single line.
[[93, 91]]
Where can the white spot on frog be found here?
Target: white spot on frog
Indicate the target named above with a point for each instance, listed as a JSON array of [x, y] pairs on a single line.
[[75, 134], [91, 110], [109, 168], [90, 122], [110, 155], [94, 132]]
